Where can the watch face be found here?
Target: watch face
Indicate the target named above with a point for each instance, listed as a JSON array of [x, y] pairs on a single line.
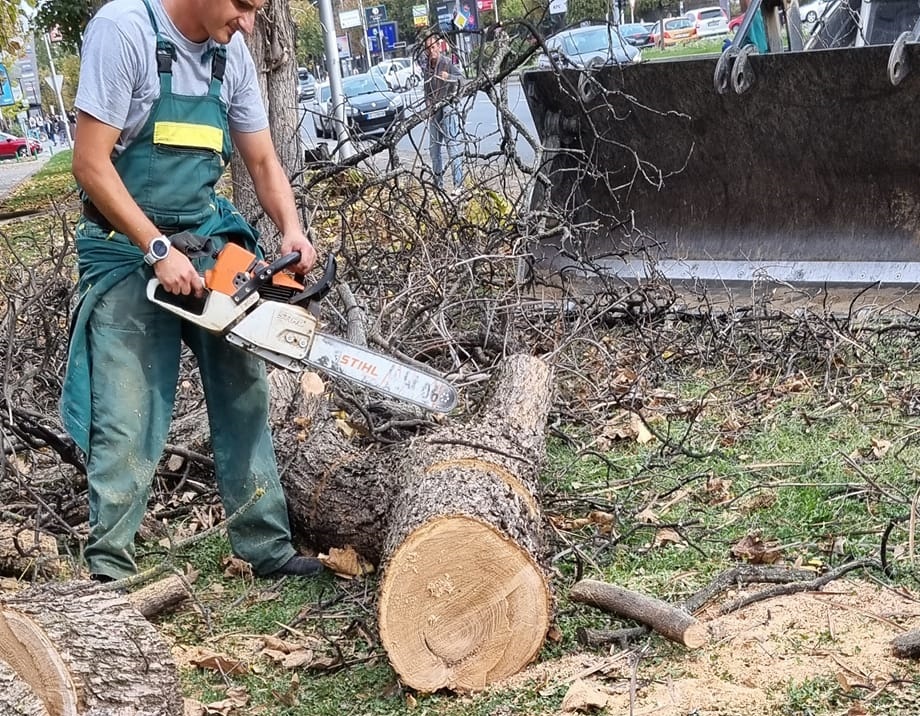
[[159, 248]]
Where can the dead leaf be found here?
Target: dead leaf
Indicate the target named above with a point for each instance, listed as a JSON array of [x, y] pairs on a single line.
[[554, 634], [754, 550], [297, 659], [207, 659], [411, 701], [276, 644], [346, 562], [880, 447], [666, 536], [583, 697], [641, 431], [236, 567], [237, 697], [646, 516]]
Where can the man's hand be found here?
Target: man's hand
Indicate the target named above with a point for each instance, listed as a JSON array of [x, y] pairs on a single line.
[[299, 242], [177, 275]]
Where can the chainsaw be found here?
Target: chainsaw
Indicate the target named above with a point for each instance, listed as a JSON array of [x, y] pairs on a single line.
[[264, 310]]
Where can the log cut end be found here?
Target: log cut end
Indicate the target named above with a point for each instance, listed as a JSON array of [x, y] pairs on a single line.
[[28, 651], [461, 606]]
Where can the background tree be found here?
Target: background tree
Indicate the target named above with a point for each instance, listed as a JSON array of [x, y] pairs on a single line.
[[310, 50], [69, 17]]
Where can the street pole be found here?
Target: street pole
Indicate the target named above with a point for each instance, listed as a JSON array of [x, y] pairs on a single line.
[[336, 95], [380, 39], [367, 40], [57, 92]]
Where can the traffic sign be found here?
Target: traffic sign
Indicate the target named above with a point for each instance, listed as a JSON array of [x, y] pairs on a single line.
[[419, 15], [375, 14], [390, 36], [349, 18]]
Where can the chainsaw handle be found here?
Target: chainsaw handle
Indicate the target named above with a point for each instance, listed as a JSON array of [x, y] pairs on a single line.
[[263, 275], [317, 292]]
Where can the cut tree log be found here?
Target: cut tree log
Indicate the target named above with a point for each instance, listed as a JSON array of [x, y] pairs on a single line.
[[165, 594], [671, 622], [84, 652], [25, 551], [452, 517]]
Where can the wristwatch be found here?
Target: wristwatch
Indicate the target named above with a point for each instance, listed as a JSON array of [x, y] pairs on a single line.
[[157, 250]]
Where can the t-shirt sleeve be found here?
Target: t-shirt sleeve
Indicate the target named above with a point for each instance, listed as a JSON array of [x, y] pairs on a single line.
[[247, 111], [108, 72]]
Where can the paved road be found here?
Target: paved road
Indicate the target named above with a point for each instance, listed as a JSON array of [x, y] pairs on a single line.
[[14, 171], [482, 121]]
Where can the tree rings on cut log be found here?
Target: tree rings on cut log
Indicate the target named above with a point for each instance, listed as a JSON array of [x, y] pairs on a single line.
[[461, 606]]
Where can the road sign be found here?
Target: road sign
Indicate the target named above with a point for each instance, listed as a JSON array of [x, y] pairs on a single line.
[[419, 15], [557, 7], [349, 18], [55, 82], [344, 46], [390, 36], [375, 14]]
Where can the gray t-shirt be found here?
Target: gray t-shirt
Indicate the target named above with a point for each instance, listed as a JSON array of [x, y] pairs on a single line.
[[118, 70]]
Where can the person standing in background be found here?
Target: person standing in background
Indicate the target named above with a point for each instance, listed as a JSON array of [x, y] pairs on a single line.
[[442, 81]]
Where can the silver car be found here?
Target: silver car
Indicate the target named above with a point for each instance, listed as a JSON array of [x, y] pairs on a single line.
[[591, 45]]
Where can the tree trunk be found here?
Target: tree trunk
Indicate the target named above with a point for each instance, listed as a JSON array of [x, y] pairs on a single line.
[[272, 45], [83, 652], [452, 517]]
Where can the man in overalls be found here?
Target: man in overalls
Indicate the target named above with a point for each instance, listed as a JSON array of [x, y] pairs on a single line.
[[164, 87]]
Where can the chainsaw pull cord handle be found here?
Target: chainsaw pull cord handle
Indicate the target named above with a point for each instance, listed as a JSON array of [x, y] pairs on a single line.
[[263, 275], [310, 297]]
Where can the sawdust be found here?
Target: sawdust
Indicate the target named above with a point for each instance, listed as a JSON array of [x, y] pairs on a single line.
[[757, 655]]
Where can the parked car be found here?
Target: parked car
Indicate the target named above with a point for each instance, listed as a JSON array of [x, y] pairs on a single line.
[[811, 11], [370, 106], [735, 23], [637, 34], [400, 73], [583, 46], [306, 84], [318, 109], [13, 146], [708, 21], [676, 29]]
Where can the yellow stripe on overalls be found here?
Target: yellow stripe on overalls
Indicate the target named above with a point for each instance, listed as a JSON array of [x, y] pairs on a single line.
[[180, 134]]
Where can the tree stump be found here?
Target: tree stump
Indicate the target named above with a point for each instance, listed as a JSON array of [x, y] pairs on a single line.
[[454, 520], [83, 652]]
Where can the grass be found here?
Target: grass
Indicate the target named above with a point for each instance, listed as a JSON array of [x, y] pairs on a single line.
[[815, 474], [52, 184]]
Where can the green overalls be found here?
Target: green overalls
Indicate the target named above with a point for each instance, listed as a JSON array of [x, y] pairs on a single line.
[[123, 360]]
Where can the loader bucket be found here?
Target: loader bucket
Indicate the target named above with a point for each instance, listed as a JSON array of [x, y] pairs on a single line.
[[808, 173]]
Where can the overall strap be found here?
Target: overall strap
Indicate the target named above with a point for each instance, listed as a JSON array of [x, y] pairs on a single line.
[[166, 53], [218, 65]]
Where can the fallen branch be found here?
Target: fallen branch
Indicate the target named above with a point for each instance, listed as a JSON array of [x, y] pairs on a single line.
[[796, 587], [669, 621]]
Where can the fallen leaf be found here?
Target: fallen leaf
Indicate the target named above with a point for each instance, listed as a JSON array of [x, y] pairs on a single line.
[[346, 562], [236, 567], [554, 634], [276, 644], [207, 659], [297, 659], [646, 516], [666, 536], [289, 697], [754, 550], [880, 447], [641, 431], [583, 697]]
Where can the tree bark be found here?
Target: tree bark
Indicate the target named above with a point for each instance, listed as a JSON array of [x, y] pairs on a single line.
[[453, 519], [85, 652], [272, 44], [670, 622], [25, 551], [165, 594]]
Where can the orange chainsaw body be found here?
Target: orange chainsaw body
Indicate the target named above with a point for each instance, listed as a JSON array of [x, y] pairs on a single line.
[[235, 266]]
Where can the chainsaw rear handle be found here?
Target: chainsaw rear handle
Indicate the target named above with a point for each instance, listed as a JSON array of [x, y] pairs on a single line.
[[263, 275]]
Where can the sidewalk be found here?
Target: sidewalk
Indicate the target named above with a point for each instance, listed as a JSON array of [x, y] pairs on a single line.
[[15, 171]]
